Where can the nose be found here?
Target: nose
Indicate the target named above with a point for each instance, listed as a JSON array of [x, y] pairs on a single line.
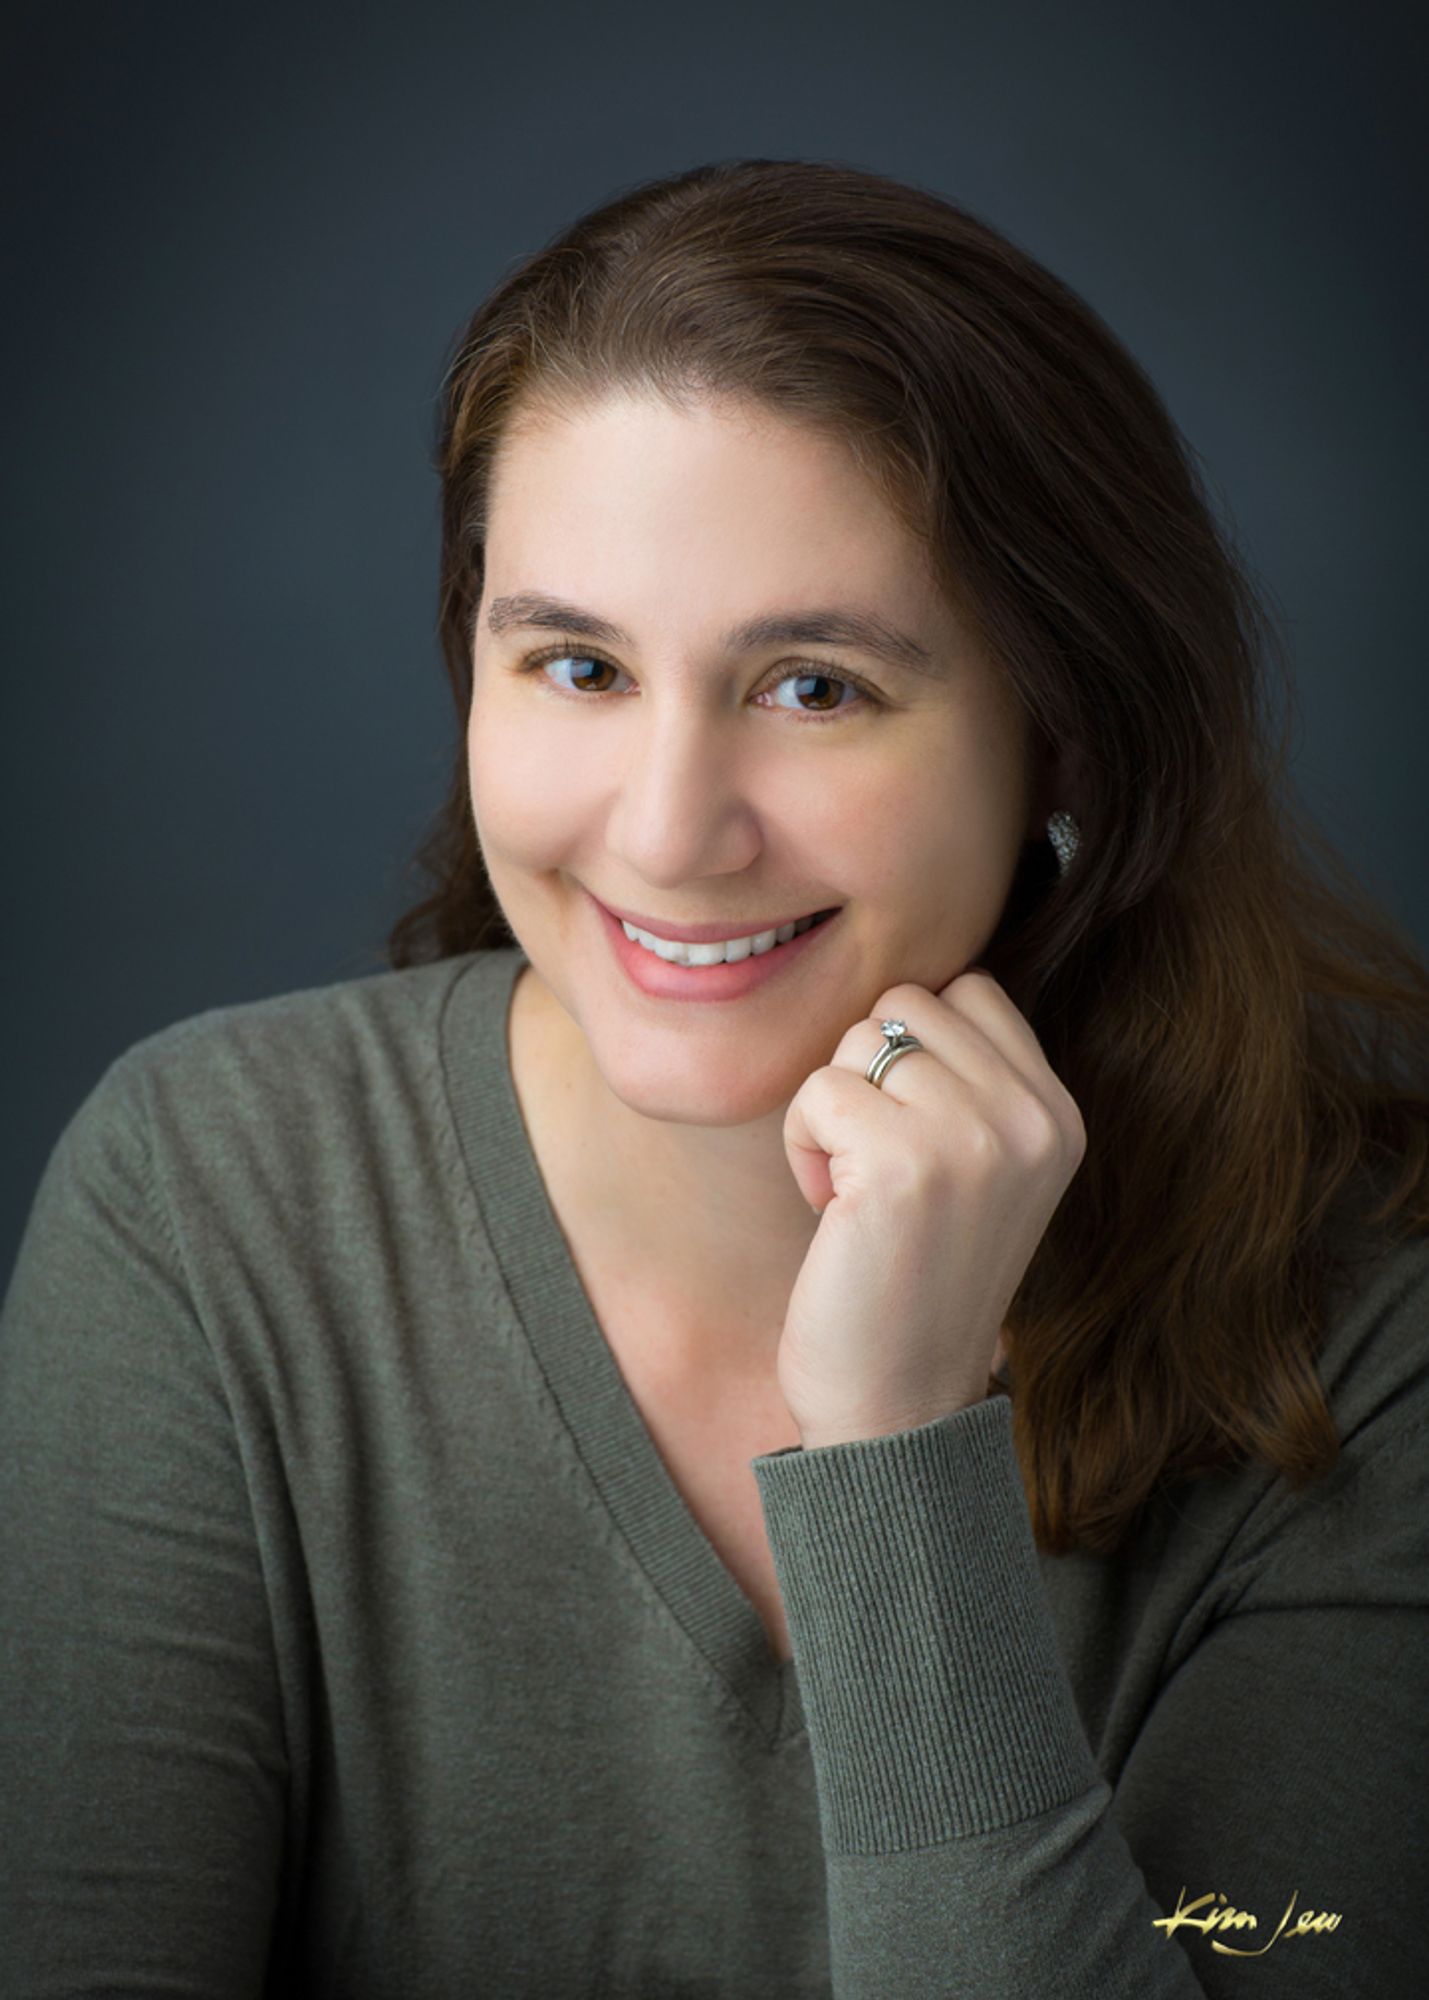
[[686, 795]]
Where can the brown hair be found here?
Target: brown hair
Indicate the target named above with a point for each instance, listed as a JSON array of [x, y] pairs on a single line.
[[1236, 1028]]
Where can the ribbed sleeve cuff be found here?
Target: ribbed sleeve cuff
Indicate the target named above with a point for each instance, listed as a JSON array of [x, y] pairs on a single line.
[[936, 1698]]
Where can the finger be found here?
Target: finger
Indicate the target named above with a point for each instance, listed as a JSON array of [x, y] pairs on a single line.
[[982, 1003], [836, 1131], [952, 1036], [982, 999], [976, 1042]]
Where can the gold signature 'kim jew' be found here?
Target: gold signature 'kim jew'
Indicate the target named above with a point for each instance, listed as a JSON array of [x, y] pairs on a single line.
[[1307, 1924]]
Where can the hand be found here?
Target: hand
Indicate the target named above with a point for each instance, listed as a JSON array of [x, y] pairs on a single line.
[[934, 1191]]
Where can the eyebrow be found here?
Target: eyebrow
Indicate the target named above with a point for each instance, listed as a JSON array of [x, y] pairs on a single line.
[[837, 625]]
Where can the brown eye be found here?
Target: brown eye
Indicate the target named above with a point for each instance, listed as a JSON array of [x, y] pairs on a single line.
[[596, 668], [825, 706], [587, 682], [582, 682]]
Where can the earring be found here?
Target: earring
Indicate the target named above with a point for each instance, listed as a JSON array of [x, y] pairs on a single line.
[[1065, 836]]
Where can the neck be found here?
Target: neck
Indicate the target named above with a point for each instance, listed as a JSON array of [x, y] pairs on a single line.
[[710, 1216]]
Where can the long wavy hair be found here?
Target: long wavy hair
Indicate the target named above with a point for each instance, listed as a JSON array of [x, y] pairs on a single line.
[[1242, 1027]]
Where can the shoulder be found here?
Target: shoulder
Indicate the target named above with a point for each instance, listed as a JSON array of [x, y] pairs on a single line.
[[299, 1043], [334, 1026], [298, 1075], [1356, 1532], [1359, 1532], [1373, 1359]]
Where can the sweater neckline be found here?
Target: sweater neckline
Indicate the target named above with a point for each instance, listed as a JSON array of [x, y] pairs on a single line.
[[619, 1456]]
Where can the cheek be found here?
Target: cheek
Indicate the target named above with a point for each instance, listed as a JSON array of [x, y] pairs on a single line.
[[936, 837], [888, 821], [961, 798], [524, 804]]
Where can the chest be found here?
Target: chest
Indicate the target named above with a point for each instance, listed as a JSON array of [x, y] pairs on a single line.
[[705, 1418], [705, 1429]]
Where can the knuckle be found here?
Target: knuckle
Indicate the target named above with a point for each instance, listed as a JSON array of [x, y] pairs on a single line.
[[1040, 1132], [1073, 1125], [852, 1043], [831, 1087], [977, 1146]]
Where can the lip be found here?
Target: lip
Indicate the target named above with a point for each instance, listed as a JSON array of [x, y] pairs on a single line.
[[660, 980], [698, 933]]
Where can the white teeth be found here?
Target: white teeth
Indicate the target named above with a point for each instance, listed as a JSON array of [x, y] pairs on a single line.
[[729, 951]]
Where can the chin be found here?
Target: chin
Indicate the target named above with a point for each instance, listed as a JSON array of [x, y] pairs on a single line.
[[686, 1091]]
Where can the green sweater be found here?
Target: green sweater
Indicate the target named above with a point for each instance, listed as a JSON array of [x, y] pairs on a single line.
[[356, 1643]]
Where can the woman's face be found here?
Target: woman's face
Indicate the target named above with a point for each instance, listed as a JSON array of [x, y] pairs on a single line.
[[671, 775]]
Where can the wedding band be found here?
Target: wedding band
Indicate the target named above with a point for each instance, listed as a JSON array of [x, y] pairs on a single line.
[[896, 1042]]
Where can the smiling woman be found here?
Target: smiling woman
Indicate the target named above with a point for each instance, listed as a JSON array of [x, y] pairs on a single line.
[[824, 1388], [686, 790]]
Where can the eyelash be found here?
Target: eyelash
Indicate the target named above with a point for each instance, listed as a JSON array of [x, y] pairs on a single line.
[[811, 670]]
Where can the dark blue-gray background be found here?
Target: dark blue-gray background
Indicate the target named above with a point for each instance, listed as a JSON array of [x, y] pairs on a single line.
[[241, 240]]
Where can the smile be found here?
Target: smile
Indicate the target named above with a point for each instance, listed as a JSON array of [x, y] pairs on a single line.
[[726, 951], [716, 970]]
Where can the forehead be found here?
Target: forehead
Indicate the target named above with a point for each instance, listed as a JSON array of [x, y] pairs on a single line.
[[723, 506]]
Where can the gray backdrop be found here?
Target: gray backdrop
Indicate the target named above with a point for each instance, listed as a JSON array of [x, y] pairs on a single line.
[[241, 241]]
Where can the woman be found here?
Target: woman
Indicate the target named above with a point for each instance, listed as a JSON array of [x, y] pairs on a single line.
[[890, 1463]]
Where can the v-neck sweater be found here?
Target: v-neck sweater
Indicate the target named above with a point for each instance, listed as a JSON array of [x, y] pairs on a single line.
[[357, 1642]]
